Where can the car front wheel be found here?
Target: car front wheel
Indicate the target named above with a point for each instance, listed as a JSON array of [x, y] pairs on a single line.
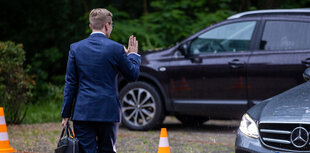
[[141, 106]]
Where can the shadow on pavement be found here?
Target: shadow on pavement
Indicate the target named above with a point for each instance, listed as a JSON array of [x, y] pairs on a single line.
[[209, 126], [212, 126]]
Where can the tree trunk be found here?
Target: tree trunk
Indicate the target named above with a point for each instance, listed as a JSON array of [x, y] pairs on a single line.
[[85, 5], [271, 4], [145, 10]]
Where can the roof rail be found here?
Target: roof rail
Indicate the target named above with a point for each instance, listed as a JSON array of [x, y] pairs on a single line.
[[272, 11]]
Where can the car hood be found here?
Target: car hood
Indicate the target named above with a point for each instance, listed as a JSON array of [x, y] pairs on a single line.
[[292, 106], [159, 55]]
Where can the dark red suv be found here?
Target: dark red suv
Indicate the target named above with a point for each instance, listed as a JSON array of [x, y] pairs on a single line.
[[221, 71]]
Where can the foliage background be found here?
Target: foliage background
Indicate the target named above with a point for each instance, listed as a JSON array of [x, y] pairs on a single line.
[[15, 83], [47, 28]]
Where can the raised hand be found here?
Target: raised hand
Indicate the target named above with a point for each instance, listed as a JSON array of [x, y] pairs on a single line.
[[132, 45]]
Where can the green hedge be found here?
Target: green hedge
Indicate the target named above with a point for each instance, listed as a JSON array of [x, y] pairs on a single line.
[[15, 84]]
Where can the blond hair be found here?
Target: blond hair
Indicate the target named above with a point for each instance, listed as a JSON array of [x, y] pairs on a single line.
[[99, 17]]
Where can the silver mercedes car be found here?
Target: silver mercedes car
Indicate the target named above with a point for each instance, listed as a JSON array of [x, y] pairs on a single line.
[[278, 124]]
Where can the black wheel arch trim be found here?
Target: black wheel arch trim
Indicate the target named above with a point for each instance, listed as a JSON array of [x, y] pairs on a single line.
[[166, 100]]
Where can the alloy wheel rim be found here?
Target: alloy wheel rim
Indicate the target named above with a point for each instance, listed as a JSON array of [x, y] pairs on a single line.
[[138, 107]]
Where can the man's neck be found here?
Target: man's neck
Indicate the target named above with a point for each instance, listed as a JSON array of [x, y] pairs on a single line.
[[98, 31]]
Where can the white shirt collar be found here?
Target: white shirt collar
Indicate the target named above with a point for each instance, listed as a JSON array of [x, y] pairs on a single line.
[[97, 32]]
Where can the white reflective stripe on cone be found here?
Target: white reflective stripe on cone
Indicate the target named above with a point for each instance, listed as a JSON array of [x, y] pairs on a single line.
[[4, 136], [163, 142], [2, 120]]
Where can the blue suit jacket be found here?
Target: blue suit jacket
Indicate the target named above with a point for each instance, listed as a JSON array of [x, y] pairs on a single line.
[[91, 79]]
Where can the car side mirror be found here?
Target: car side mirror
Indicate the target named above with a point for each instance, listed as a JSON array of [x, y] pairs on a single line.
[[306, 74], [183, 48]]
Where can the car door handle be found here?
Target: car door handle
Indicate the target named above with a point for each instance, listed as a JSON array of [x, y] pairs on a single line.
[[196, 59], [236, 63], [306, 62]]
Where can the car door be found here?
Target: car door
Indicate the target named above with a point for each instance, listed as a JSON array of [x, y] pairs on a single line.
[[279, 62], [212, 76]]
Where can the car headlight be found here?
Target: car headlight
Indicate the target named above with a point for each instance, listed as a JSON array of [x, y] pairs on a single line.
[[248, 126]]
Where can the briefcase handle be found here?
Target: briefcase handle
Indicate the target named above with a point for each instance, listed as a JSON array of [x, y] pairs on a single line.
[[67, 132]]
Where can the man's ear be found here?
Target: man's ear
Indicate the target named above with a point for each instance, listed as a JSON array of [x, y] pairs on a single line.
[[106, 26], [90, 26]]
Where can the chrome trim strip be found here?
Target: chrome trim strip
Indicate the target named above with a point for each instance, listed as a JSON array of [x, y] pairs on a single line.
[[282, 149], [277, 141], [223, 102], [275, 131], [269, 11], [284, 123]]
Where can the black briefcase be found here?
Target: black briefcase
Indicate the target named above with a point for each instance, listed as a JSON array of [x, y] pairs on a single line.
[[67, 143]]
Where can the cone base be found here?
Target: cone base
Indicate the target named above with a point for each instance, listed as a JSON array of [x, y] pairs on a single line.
[[8, 150], [163, 150]]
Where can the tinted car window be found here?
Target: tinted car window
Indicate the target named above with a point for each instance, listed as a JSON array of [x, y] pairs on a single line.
[[227, 38], [285, 35]]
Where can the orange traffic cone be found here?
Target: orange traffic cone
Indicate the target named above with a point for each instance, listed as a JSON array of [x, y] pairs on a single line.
[[163, 142], [4, 138]]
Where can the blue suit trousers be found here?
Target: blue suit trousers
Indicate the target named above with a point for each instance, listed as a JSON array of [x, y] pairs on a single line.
[[96, 137]]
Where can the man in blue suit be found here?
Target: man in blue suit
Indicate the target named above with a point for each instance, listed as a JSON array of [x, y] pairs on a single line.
[[90, 93]]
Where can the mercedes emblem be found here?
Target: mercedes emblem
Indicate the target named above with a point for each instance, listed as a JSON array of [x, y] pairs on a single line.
[[299, 137]]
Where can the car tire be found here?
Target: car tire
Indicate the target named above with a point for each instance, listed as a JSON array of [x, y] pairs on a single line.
[[142, 108], [191, 120]]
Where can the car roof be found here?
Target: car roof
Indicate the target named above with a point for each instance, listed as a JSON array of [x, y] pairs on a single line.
[[300, 11]]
